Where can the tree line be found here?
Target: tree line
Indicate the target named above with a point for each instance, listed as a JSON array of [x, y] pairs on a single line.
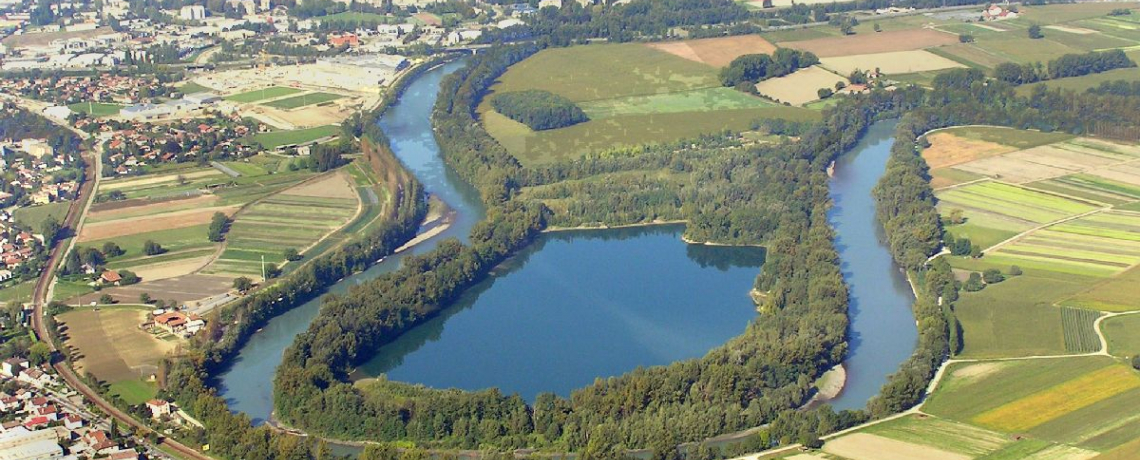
[[1069, 65], [750, 69]]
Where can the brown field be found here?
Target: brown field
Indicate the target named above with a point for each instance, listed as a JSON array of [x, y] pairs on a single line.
[[800, 87], [863, 446], [336, 185], [111, 345], [892, 62], [1034, 164], [310, 116], [947, 149], [1126, 173], [881, 42], [186, 288], [1072, 30], [1048, 404], [175, 268], [112, 210], [152, 223], [717, 52]]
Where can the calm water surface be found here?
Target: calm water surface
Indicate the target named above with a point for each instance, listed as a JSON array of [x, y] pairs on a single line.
[[579, 305], [882, 333], [248, 385]]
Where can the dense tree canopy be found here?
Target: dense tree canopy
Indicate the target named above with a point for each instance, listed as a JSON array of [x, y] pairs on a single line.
[[538, 109]]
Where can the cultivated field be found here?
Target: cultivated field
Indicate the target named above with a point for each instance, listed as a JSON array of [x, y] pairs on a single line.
[[995, 211], [1113, 294], [1058, 400], [1123, 341], [1080, 332], [862, 446], [882, 42], [710, 99], [949, 149], [262, 94], [1101, 244], [942, 434], [717, 52], [293, 219], [110, 344], [891, 63], [801, 87]]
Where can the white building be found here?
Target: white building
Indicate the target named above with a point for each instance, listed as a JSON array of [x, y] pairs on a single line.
[[36, 450], [192, 12]]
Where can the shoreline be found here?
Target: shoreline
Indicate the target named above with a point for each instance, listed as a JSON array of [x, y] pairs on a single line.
[[830, 385], [652, 223], [429, 234]]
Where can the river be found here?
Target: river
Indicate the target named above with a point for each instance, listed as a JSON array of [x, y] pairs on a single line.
[[247, 385], [882, 333]]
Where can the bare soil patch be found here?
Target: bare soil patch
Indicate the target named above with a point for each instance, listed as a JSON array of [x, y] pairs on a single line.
[[717, 52], [111, 345], [862, 446], [881, 42], [143, 224], [187, 288], [143, 207], [800, 87], [1011, 169], [336, 185], [977, 371], [892, 62], [164, 270], [947, 149]]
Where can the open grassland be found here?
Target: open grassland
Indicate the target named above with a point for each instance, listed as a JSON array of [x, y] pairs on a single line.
[[1120, 331], [1016, 317], [969, 390], [1055, 14], [800, 87], [1118, 293], [134, 392], [293, 219], [33, 216], [587, 73], [275, 139], [1080, 334], [709, 99], [1060, 399], [882, 42], [262, 94], [303, 100], [532, 147], [716, 52], [110, 345], [968, 54], [941, 434], [894, 62], [96, 109]]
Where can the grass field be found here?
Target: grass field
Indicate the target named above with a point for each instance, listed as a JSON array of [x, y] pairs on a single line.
[[33, 216], [1114, 294], [894, 62], [303, 100], [708, 99], [191, 88], [1101, 244], [1050, 403], [994, 210], [277, 139], [942, 434], [97, 109], [1084, 82], [1120, 331], [134, 392], [262, 94]]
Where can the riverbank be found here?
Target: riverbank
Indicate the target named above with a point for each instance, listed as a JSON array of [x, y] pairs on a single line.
[[613, 227]]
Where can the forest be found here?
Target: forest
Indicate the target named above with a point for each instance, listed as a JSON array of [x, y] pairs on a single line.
[[750, 69], [538, 109]]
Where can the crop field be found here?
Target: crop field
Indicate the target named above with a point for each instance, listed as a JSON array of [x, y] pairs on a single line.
[[893, 62], [1050, 403], [185, 289], [709, 99], [948, 149], [302, 100], [532, 147], [164, 185], [872, 43], [993, 209], [262, 94], [941, 434], [294, 219], [110, 344], [800, 87], [1101, 244], [1113, 294], [96, 109], [1090, 188], [1080, 334], [716, 52], [863, 446], [1099, 426], [969, 54], [275, 139], [1040, 163], [964, 393]]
